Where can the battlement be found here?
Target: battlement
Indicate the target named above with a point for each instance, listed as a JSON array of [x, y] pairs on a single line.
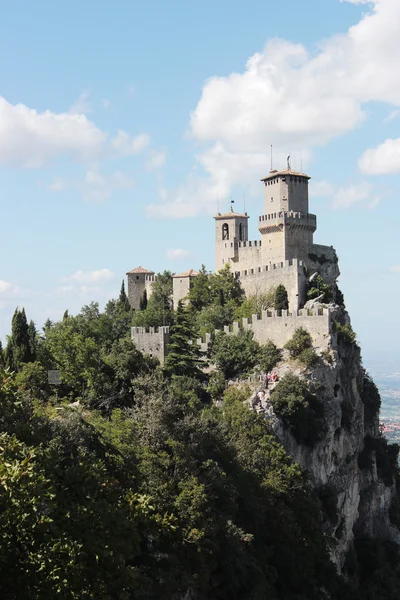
[[151, 340], [276, 326], [292, 264], [283, 214]]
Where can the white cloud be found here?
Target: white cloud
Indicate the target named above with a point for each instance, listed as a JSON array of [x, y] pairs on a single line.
[[81, 106], [395, 269], [385, 158], [106, 103], [320, 189], [155, 161], [8, 290], [354, 194], [89, 277], [124, 144], [29, 138], [177, 254], [289, 97]]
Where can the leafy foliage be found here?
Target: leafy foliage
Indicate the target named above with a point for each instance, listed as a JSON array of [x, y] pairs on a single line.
[[318, 287], [235, 355], [298, 409], [300, 347], [345, 334], [157, 310]]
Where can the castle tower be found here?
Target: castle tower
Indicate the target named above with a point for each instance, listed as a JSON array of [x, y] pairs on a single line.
[[230, 229], [139, 280], [286, 227], [181, 285]]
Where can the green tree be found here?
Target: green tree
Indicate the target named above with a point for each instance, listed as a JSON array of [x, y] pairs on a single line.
[[143, 301], [200, 294], [123, 298], [159, 306], [281, 298], [183, 358], [318, 287], [18, 350], [235, 355]]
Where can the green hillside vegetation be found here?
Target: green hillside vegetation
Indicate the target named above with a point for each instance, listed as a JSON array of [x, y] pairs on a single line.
[[128, 482]]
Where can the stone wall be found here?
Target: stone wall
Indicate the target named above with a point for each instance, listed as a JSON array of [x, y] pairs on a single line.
[[270, 325], [289, 273], [153, 341]]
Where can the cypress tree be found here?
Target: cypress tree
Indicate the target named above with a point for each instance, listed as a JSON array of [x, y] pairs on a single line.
[[18, 349], [32, 334], [123, 298], [143, 301], [281, 298], [65, 315], [182, 358]]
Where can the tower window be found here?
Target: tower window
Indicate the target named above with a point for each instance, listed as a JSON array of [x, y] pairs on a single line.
[[241, 232], [225, 231]]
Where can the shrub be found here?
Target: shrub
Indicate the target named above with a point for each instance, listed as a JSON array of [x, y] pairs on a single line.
[[300, 341], [269, 356], [345, 334], [216, 385], [299, 410], [308, 357], [319, 287]]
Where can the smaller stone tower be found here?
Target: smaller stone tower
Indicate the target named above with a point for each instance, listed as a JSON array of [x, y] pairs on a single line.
[[230, 228], [139, 280], [181, 285]]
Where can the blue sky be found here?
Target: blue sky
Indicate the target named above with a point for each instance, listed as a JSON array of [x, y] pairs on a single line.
[[122, 123]]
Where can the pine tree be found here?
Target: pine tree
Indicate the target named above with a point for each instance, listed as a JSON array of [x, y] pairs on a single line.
[[65, 315], [183, 358], [281, 298], [2, 360], [123, 298]]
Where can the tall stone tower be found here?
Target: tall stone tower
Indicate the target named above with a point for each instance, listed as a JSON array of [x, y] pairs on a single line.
[[139, 280], [230, 229], [286, 227]]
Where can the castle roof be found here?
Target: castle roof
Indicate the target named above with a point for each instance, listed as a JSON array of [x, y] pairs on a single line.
[[230, 215], [284, 172], [190, 273], [140, 270]]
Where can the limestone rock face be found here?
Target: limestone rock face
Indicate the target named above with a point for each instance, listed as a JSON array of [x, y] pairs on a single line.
[[339, 464], [324, 260]]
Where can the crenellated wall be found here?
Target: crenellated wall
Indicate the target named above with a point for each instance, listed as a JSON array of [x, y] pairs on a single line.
[[289, 273], [277, 327]]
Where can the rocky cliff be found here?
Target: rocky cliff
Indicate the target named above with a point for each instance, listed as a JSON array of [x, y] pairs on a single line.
[[350, 465]]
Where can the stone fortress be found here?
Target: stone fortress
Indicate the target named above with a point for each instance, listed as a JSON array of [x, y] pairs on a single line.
[[284, 254]]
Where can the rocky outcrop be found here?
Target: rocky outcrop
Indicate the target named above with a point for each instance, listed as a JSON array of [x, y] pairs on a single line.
[[348, 466]]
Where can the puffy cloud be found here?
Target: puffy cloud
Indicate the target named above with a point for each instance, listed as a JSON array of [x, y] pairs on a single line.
[[354, 194], [395, 269], [30, 139], [385, 158], [177, 254], [289, 97], [357, 1], [89, 277], [124, 144]]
